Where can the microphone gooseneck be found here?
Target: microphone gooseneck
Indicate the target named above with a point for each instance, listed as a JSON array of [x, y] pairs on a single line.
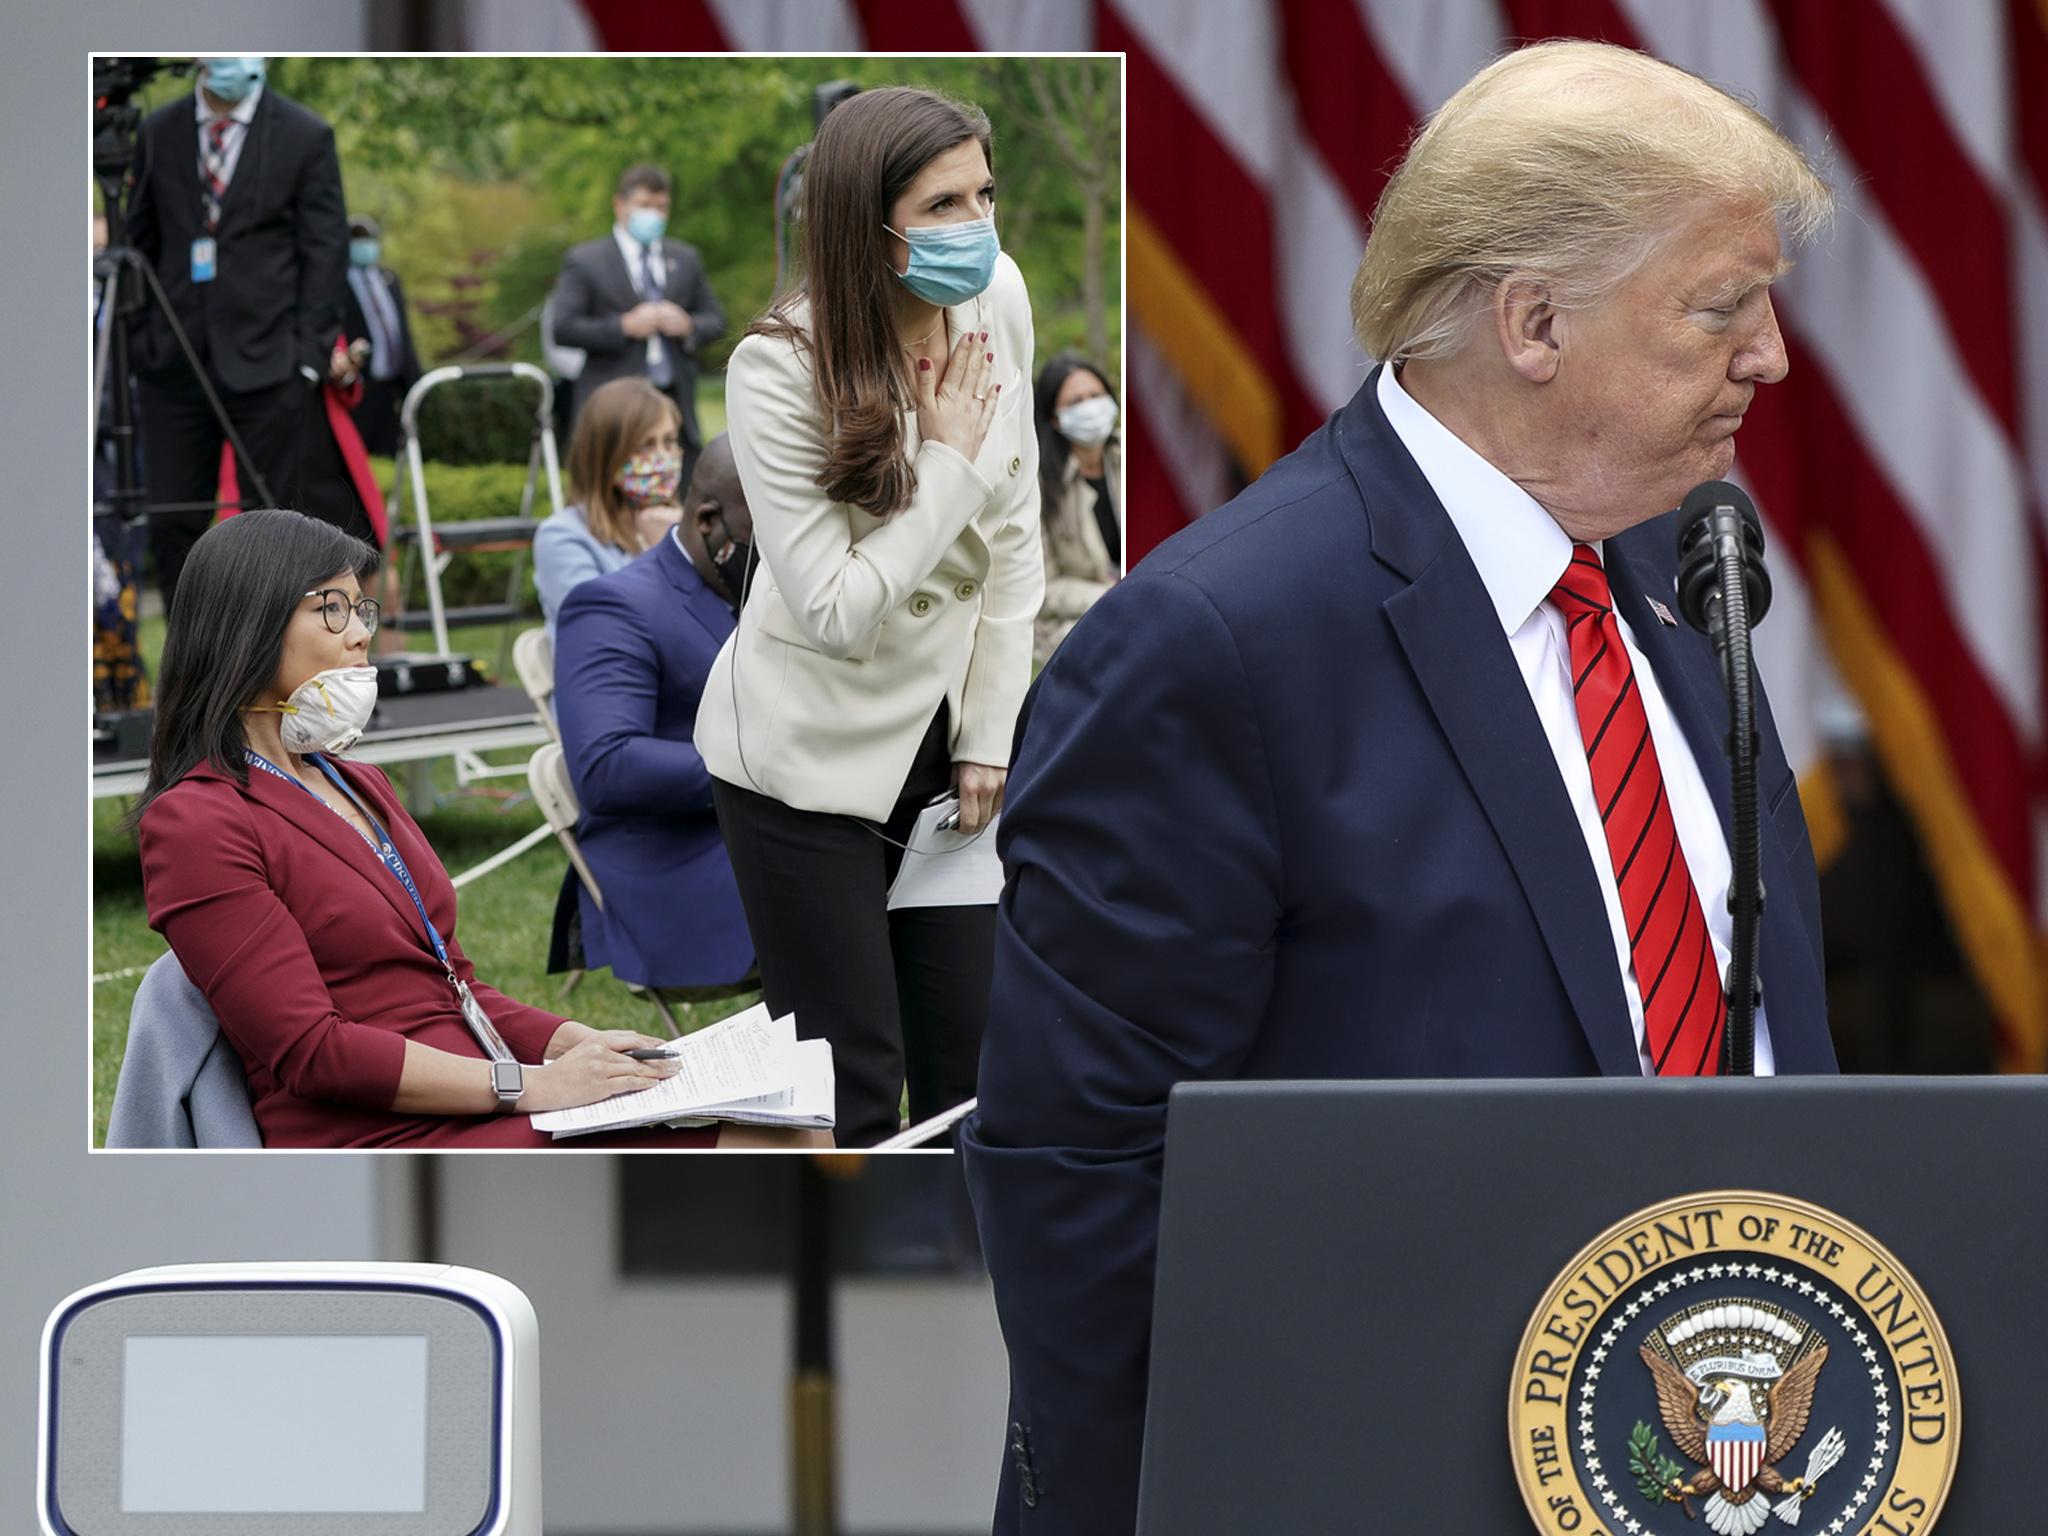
[[1723, 590]]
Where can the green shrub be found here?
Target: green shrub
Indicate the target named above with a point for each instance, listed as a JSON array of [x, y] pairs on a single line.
[[480, 421], [458, 493]]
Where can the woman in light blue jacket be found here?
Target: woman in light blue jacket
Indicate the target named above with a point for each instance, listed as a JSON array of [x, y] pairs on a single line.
[[625, 461]]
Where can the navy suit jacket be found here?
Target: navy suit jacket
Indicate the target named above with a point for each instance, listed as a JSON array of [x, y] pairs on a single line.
[[632, 650], [1282, 808], [596, 287]]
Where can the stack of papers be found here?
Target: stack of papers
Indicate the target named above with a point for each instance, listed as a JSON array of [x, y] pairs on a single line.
[[749, 1068]]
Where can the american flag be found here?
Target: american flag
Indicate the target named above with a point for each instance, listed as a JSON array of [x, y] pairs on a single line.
[[1902, 468]]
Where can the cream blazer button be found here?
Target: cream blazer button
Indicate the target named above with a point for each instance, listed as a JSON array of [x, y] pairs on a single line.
[[920, 605], [965, 590], [1016, 464]]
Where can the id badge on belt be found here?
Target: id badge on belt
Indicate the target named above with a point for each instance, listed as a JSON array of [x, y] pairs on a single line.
[[203, 252]]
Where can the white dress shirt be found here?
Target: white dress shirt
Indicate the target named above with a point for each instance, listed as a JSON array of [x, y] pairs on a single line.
[[1520, 552], [632, 249]]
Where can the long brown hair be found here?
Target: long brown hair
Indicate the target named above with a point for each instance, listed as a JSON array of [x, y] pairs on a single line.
[[608, 428], [867, 152]]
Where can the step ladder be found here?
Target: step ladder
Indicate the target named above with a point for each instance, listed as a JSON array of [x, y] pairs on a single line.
[[440, 546], [413, 529]]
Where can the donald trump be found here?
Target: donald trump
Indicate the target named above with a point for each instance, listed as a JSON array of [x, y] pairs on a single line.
[[1397, 766]]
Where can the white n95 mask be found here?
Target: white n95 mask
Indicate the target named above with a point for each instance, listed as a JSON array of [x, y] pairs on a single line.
[[1088, 422], [328, 711]]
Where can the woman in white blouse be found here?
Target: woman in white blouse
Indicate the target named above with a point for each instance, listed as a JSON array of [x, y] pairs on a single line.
[[881, 418]]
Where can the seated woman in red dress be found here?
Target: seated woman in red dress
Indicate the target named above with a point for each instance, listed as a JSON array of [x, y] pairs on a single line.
[[302, 899]]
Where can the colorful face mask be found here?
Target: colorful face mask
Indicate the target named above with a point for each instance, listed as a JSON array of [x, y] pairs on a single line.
[[651, 475], [1089, 421], [950, 263], [328, 711]]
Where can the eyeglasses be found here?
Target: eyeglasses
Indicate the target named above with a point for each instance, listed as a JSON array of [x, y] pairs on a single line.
[[335, 609]]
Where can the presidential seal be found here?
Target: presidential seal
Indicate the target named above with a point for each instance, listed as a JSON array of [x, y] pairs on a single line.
[[1734, 1362]]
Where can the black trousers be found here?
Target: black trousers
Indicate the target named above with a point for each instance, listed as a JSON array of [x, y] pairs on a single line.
[[902, 996], [182, 440]]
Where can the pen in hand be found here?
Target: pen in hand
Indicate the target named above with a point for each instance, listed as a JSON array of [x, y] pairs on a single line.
[[655, 1053]]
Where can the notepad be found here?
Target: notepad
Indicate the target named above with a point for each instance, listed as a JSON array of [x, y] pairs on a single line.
[[947, 869], [725, 1066]]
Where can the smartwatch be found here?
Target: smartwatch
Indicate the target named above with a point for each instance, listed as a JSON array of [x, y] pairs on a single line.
[[508, 1081]]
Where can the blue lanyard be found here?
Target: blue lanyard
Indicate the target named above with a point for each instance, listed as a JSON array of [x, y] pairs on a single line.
[[387, 852], [473, 1014]]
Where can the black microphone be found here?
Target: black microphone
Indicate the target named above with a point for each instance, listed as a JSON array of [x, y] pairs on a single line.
[[1710, 514], [1723, 589]]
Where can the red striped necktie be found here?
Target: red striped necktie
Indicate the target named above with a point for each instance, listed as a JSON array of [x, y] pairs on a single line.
[[216, 168], [1668, 944]]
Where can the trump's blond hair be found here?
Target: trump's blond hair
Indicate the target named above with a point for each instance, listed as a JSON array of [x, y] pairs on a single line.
[[1571, 162]]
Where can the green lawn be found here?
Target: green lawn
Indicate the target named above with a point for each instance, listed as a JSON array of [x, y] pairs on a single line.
[[504, 923]]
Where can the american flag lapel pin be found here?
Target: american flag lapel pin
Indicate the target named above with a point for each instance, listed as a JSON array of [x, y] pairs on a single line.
[[1663, 613]]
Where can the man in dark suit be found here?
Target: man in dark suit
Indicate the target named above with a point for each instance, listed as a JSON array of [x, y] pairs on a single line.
[[638, 303], [632, 651], [239, 210], [1398, 765], [373, 311]]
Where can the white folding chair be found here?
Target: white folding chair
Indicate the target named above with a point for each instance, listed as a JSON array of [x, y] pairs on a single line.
[[533, 662], [547, 775]]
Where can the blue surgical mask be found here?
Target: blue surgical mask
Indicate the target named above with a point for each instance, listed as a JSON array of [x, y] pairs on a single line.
[[364, 252], [233, 79], [950, 263], [646, 224]]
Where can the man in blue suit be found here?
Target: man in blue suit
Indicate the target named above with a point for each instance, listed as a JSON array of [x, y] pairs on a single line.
[[632, 650], [1398, 765]]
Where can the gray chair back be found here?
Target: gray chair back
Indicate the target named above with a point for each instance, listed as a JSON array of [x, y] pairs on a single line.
[[181, 1084]]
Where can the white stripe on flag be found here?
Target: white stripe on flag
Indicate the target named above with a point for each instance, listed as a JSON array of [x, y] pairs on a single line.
[[822, 26], [1196, 460], [1433, 49]]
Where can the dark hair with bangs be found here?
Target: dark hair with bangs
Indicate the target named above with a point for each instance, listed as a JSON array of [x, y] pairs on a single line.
[[224, 641]]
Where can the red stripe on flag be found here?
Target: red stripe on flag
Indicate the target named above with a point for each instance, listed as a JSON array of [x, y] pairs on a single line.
[[2027, 47], [1211, 212], [915, 26], [655, 26], [1866, 77], [1599, 20], [1153, 510], [1350, 107], [1803, 456]]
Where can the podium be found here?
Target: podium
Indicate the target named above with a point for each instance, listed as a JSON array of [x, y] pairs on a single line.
[[1352, 1275]]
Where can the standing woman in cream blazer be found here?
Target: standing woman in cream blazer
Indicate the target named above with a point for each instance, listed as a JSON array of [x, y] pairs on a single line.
[[881, 418]]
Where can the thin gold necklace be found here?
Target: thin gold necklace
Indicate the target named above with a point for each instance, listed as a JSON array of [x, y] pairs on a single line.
[[912, 346]]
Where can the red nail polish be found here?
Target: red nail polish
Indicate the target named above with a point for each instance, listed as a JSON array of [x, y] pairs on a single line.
[[984, 335], [999, 389], [924, 365], [990, 356]]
